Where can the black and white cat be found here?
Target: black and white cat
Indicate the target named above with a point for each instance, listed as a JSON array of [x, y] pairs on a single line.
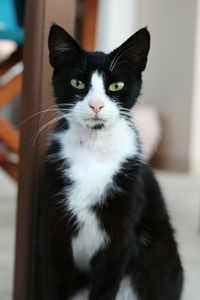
[[105, 232]]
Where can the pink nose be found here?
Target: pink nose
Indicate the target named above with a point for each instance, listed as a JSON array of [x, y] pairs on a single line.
[[96, 106]]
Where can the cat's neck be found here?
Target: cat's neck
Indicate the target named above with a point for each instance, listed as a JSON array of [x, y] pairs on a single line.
[[121, 139]]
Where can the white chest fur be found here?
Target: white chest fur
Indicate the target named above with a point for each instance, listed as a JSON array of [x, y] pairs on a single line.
[[94, 157]]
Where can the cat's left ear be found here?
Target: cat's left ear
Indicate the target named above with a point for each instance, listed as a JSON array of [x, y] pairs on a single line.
[[63, 48], [134, 50]]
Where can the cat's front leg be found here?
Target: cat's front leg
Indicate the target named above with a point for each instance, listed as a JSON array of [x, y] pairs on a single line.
[[57, 271], [107, 271], [58, 278]]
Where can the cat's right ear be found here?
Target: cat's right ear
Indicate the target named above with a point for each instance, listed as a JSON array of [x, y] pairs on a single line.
[[62, 47]]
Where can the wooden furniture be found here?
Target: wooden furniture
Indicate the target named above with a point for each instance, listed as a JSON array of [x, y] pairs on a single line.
[[10, 83], [36, 94], [88, 31], [9, 135]]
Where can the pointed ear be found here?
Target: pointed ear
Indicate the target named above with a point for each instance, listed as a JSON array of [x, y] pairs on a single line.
[[62, 47], [134, 50]]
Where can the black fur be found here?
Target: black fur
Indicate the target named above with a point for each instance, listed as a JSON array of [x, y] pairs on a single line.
[[134, 214]]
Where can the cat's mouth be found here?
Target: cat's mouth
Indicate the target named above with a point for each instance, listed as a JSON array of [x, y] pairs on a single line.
[[95, 119], [95, 122]]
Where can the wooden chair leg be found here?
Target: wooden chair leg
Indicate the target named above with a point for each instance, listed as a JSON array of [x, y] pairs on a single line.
[[10, 90], [10, 167], [36, 93], [9, 135], [14, 58], [89, 24]]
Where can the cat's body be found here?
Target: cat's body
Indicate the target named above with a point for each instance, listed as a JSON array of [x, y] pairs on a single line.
[[105, 233]]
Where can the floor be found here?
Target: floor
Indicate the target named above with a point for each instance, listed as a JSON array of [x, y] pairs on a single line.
[[182, 193], [8, 191], [183, 199]]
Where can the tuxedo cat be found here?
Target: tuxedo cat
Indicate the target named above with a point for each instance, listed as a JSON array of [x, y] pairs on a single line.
[[104, 233]]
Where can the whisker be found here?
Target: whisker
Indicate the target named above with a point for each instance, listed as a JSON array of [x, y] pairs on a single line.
[[38, 113], [45, 126], [120, 50], [117, 59], [54, 107], [47, 103]]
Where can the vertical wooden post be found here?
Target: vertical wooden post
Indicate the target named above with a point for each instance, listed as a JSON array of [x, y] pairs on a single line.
[[36, 93], [89, 24]]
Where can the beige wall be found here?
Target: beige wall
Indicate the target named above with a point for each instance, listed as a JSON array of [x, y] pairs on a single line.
[[171, 80], [115, 23], [195, 124], [168, 81]]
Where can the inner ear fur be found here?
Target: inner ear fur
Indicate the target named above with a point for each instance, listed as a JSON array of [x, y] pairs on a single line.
[[62, 46], [134, 50]]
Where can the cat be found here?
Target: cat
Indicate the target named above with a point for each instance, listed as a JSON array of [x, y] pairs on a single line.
[[105, 233]]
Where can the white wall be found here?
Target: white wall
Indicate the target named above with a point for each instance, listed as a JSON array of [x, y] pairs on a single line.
[[195, 117], [116, 21], [168, 79]]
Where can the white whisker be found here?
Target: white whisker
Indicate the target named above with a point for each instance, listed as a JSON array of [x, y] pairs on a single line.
[[45, 126], [120, 50], [117, 59]]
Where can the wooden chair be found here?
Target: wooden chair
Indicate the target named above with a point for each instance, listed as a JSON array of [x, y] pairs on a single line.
[[37, 89], [88, 24], [10, 85]]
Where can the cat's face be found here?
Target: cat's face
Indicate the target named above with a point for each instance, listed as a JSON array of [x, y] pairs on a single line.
[[94, 89]]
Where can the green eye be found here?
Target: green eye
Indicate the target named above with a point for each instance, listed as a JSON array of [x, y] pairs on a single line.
[[77, 84], [116, 86]]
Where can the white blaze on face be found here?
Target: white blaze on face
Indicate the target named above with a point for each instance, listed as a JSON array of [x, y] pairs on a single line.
[[96, 108], [97, 96]]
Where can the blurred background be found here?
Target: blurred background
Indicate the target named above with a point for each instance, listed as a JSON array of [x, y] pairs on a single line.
[[167, 114]]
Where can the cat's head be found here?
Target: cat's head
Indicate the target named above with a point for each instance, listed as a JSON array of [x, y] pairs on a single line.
[[94, 89]]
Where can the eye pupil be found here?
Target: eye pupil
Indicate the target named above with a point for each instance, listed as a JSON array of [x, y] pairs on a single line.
[[116, 86], [78, 84]]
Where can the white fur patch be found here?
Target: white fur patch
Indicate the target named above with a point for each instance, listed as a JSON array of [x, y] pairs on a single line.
[[125, 292], [82, 295], [89, 240], [83, 114], [95, 156], [97, 85]]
